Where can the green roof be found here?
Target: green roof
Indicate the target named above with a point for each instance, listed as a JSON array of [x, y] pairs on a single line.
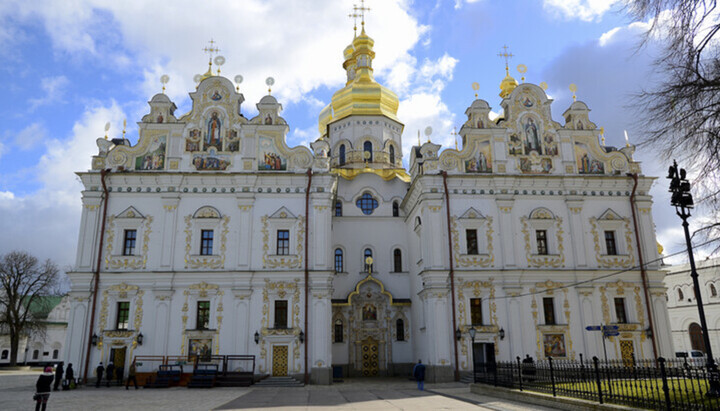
[[41, 306]]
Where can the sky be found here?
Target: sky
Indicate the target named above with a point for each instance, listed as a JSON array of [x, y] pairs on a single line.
[[69, 67]]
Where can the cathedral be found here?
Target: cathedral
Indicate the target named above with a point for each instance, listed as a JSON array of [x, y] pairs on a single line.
[[212, 237]]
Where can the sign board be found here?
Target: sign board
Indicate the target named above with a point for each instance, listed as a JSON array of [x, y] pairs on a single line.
[[610, 328], [593, 328], [611, 333]]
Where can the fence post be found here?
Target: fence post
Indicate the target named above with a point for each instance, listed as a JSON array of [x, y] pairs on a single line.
[[495, 370], [665, 387], [552, 375], [519, 372], [597, 378]]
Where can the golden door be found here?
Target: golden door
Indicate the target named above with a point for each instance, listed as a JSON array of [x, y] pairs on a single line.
[[370, 357], [280, 360], [627, 350]]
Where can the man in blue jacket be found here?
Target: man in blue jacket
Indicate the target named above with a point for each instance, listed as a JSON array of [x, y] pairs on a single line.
[[419, 374]]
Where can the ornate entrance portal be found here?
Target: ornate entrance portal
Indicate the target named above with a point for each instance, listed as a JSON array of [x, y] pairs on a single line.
[[369, 357], [280, 360]]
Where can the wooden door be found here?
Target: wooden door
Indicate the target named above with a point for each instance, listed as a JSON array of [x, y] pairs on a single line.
[[280, 360], [627, 351], [370, 357]]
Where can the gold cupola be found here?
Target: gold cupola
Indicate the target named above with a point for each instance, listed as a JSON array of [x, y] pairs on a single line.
[[507, 85]]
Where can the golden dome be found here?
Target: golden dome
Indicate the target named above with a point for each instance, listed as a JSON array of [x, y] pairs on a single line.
[[660, 248], [507, 85]]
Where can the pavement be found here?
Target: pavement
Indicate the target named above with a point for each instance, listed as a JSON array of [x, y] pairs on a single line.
[[17, 388]]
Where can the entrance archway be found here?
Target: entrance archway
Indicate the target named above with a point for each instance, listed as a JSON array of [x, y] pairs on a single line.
[[696, 337]]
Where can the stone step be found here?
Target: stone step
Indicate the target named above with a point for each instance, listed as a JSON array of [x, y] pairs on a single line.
[[284, 381]]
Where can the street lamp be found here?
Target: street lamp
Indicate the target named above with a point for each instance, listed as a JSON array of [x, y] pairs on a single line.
[[472, 332], [458, 334], [301, 336], [94, 339], [683, 202], [140, 339], [501, 334], [257, 337]]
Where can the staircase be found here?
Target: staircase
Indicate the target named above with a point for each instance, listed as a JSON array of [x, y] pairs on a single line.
[[279, 382], [234, 379], [468, 379]]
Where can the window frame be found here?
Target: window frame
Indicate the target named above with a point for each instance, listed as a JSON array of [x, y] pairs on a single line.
[[368, 147], [610, 243], [341, 155], [129, 249], [397, 260], [341, 262], [541, 242], [621, 316], [122, 309], [280, 312], [472, 247], [399, 329], [395, 209], [476, 311], [367, 252], [207, 243], [5, 355], [338, 208], [549, 311], [392, 154], [367, 203], [202, 315], [282, 244], [338, 337]]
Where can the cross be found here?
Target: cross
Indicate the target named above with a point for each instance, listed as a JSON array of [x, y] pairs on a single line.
[[362, 9], [454, 134], [212, 49], [507, 56], [354, 16]]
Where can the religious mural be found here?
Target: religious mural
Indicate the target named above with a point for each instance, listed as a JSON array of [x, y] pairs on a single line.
[[154, 157], [531, 140], [554, 345], [211, 161], [233, 143], [534, 165], [369, 313], [213, 136], [268, 158], [586, 163], [192, 143], [200, 347], [482, 161]]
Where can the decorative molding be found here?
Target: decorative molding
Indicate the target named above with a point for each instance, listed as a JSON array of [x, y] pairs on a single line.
[[538, 260], [473, 260], [133, 262], [608, 261], [283, 261], [205, 261]]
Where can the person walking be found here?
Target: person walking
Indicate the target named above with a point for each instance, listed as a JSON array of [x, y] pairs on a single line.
[[100, 370], [69, 377], [43, 389], [131, 376], [119, 373], [419, 374], [109, 373], [59, 371]]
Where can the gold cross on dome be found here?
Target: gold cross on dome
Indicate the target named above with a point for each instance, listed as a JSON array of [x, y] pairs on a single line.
[[354, 15], [362, 9], [212, 49], [507, 56]]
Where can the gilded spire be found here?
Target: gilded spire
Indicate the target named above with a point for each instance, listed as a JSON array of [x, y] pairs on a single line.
[[508, 84]]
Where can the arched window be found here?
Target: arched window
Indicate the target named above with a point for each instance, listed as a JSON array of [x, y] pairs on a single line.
[[366, 254], [392, 155], [396, 209], [367, 148], [418, 222], [367, 203], [338, 331], [696, 337], [338, 260], [713, 290], [680, 295], [338, 208], [397, 260], [400, 329], [341, 160], [55, 354], [36, 354], [4, 355]]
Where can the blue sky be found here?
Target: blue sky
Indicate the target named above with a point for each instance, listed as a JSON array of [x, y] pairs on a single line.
[[69, 67]]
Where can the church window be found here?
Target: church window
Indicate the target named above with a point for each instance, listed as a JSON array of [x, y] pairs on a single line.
[[366, 254], [392, 155], [620, 310], [203, 315], [36, 354], [283, 242], [549, 310], [418, 222], [610, 244], [367, 148], [541, 238], [476, 311], [396, 209], [338, 208], [206, 242], [338, 331], [397, 260], [4, 355], [367, 203], [713, 290], [341, 160], [339, 260], [400, 329], [55, 354], [472, 241], [129, 242], [123, 315], [281, 313], [680, 295]]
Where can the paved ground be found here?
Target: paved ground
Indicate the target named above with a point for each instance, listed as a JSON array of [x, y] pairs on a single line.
[[16, 390]]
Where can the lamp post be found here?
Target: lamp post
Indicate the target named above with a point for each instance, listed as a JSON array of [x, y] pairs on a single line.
[[472, 332], [683, 202]]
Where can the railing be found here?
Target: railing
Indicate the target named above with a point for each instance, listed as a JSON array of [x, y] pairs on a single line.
[[661, 384]]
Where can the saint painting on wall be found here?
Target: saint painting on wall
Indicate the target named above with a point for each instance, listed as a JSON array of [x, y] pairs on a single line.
[[201, 347], [515, 145], [532, 137], [154, 157], [369, 313], [482, 162], [233, 143], [554, 345], [213, 138], [192, 143], [551, 147], [211, 161], [268, 158], [586, 163]]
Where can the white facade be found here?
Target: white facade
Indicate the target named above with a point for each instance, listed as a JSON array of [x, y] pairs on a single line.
[[47, 346], [213, 170], [682, 306]]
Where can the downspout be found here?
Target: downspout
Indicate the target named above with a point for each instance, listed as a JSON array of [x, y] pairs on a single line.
[[96, 275], [307, 274], [643, 274], [452, 274]]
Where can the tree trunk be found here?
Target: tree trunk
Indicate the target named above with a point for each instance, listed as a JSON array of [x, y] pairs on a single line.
[[14, 343]]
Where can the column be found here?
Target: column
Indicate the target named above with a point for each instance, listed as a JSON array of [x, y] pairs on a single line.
[[440, 355], [243, 333], [513, 326], [507, 231], [163, 300], [77, 332], [89, 230], [576, 231], [319, 338], [169, 230], [320, 234], [244, 251], [663, 334]]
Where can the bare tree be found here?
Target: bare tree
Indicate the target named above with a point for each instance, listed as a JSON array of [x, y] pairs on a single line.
[[681, 112], [24, 283]]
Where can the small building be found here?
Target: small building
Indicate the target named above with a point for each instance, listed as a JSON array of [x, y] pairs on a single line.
[[42, 347]]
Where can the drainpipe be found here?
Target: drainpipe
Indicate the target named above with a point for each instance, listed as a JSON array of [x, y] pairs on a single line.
[[307, 274], [96, 274], [643, 274], [452, 274]]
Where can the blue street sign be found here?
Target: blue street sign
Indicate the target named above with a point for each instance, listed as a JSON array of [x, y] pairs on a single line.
[[611, 333], [610, 327], [593, 328]]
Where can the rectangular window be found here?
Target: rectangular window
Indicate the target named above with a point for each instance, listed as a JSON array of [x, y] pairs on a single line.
[[541, 237], [400, 329], [338, 209], [123, 314], [283, 242], [129, 242], [610, 245], [281, 313], [549, 309], [472, 241], [206, 245], [203, 315], [338, 331], [476, 311], [620, 311]]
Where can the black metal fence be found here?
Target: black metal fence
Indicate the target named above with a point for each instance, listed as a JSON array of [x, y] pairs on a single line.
[[650, 384]]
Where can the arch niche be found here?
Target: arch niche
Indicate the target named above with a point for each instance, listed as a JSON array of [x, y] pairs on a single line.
[[696, 337]]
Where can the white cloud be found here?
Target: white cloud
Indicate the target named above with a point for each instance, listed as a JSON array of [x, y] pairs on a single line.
[[2, 149], [53, 89], [586, 10], [30, 136], [6, 195]]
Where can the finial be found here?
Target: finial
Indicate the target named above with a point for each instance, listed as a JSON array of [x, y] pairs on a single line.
[[507, 56], [219, 61], [107, 128], [362, 9], [238, 80], [544, 86], [522, 69], [454, 134], [269, 82], [573, 88], [476, 87], [627, 139], [213, 49], [164, 80], [124, 127], [602, 135], [428, 133], [354, 15]]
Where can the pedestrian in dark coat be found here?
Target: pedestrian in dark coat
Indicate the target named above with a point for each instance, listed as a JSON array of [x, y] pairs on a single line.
[[43, 389], [70, 375], [109, 373], [131, 377], [419, 374], [100, 370], [59, 371], [120, 373]]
